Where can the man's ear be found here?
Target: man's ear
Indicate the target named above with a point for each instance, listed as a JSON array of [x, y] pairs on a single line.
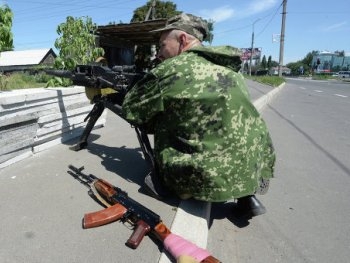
[[183, 40]]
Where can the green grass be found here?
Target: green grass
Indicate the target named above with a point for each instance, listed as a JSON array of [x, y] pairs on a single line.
[[273, 81], [22, 81]]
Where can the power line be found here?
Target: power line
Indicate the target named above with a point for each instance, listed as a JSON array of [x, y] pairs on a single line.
[[268, 23], [56, 10]]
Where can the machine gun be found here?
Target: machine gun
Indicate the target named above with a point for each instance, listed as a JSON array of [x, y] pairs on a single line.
[[121, 207], [119, 78]]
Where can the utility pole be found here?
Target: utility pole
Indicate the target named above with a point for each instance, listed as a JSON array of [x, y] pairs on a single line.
[[251, 49], [282, 37], [152, 11]]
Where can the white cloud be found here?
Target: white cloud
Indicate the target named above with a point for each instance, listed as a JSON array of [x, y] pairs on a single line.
[[258, 6], [218, 14], [335, 27], [226, 12]]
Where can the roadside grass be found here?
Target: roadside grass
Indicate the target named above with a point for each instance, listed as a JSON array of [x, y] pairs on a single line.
[[22, 81], [273, 81]]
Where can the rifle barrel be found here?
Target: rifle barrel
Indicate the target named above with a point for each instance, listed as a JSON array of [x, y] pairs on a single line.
[[79, 175]]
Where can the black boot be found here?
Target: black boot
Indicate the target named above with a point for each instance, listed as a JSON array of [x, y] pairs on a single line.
[[250, 206]]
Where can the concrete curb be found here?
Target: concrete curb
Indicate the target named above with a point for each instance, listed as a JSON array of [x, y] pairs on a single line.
[[264, 100], [192, 217]]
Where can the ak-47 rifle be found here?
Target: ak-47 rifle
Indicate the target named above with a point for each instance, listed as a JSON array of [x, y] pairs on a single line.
[[119, 78], [121, 207]]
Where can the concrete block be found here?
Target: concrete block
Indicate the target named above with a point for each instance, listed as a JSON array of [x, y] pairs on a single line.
[[32, 120]]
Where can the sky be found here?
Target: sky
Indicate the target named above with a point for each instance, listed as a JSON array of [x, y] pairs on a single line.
[[310, 24]]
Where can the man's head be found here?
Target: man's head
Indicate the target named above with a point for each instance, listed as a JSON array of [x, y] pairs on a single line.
[[188, 23], [181, 33]]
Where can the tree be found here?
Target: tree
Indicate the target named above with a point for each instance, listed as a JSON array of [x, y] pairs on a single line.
[[263, 64], [210, 37], [341, 53], [76, 43], [161, 10], [295, 67], [307, 60], [305, 64], [269, 62], [6, 37]]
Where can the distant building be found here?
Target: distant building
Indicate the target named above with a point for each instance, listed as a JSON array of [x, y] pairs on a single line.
[[11, 61], [325, 62]]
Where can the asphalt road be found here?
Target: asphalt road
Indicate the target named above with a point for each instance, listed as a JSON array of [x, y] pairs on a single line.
[[308, 209]]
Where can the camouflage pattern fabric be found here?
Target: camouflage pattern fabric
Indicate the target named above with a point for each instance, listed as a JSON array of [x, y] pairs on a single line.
[[210, 142], [191, 24]]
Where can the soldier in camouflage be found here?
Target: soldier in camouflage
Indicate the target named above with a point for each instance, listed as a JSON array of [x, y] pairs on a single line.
[[210, 143]]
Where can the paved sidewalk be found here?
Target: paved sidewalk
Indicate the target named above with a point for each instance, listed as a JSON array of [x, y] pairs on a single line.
[[42, 206]]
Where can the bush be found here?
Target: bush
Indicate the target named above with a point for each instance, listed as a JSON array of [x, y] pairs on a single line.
[[3, 82]]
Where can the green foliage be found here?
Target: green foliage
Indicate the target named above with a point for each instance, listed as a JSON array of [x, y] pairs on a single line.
[[6, 37], [22, 81], [3, 82], [263, 63], [305, 63], [266, 65], [273, 81], [76, 43], [210, 37], [58, 82], [269, 62], [162, 9], [295, 67]]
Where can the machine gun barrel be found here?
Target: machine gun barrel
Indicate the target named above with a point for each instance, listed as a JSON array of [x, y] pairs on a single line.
[[59, 73], [119, 78]]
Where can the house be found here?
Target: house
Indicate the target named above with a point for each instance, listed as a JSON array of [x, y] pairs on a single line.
[[11, 61]]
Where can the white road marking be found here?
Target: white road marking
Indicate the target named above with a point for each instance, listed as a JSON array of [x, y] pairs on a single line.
[[339, 95], [316, 90]]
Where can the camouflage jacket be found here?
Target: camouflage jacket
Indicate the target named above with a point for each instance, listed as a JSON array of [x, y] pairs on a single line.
[[210, 142]]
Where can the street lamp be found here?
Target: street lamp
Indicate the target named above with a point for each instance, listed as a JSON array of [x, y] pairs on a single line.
[[251, 51]]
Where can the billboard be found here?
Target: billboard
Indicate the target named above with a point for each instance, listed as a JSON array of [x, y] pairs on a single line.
[[246, 53]]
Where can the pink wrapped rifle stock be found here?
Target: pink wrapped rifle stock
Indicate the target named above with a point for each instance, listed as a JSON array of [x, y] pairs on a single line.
[[177, 246]]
